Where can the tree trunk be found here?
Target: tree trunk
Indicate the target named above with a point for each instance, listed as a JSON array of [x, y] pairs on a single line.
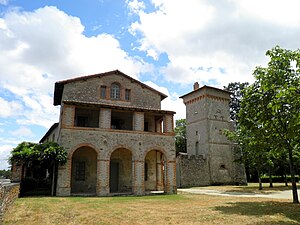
[[259, 181], [270, 178], [53, 183], [294, 185], [285, 177]]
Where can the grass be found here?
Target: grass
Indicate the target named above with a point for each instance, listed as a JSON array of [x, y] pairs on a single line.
[[160, 209]]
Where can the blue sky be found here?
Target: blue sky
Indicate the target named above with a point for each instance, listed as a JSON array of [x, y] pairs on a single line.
[[168, 44]]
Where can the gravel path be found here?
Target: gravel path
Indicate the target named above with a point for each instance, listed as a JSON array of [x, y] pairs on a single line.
[[279, 195]]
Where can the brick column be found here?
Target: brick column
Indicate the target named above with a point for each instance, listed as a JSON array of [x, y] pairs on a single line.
[[171, 178], [138, 121], [105, 118], [138, 184], [168, 124], [103, 177]]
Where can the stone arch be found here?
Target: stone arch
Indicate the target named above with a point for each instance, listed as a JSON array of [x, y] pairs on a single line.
[[120, 170], [84, 170], [70, 153], [155, 170]]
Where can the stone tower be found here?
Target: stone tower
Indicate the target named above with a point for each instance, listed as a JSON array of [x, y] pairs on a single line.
[[207, 115]]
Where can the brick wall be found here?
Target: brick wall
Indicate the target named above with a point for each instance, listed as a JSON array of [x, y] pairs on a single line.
[[8, 194]]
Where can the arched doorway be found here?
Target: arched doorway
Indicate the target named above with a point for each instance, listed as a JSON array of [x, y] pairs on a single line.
[[155, 171], [120, 175], [84, 171]]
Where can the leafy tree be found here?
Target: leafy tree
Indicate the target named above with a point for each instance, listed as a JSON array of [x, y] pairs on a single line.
[[236, 94], [46, 155], [269, 113], [180, 136]]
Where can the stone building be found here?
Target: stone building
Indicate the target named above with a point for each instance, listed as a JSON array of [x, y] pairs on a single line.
[[117, 137], [210, 156]]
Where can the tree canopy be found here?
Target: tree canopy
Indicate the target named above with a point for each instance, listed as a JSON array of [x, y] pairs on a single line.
[[236, 94], [180, 136], [30, 153], [269, 118]]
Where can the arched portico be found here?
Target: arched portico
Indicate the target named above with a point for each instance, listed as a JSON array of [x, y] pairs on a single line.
[[120, 171], [84, 171]]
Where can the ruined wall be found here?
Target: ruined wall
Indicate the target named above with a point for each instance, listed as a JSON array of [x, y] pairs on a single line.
[[8, 194], [192, 171]]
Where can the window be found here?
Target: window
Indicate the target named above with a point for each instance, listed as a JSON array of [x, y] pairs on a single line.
[[146, 126], [146, 172], [115, 91], [82, 121], [127, 94], [103, 92], [80, 171]]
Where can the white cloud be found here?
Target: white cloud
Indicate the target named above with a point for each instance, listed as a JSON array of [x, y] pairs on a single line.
[[135, 6], [4, 2], [172, 102], [22, 132], [47, 45], [9, 108], [216, 42], [4, 155]]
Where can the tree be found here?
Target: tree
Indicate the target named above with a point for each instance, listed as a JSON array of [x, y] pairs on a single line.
[[236, 95], [46, 155], [180, 136], [269, 113]]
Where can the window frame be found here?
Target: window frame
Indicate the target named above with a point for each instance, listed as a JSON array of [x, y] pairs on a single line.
[[115, 91]]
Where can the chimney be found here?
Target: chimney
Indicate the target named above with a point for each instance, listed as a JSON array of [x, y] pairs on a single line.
[[196, 86]]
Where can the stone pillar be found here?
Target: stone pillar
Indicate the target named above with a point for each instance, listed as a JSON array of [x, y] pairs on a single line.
[[103, 165], [68, 116], [105, 118], [159, 172], [16, 172], [168, 124], [138, 180], [171, 178], [63, 187], [138, 121]]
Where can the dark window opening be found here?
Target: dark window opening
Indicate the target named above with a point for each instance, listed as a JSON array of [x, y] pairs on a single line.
[[127, 94], [82, 121], [85, 117], [121, 120], [103, 92], [222, 167], [146, 172], [80, 171], [146, 126]]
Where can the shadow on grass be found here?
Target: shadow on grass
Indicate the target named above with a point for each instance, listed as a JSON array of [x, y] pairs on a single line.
[[288, 210]]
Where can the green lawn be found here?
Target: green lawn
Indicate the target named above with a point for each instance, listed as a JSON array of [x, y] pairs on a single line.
[[160, 209]]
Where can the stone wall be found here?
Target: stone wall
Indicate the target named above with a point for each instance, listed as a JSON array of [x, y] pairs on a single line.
[[89, 90], [8, 194], [192, 171]]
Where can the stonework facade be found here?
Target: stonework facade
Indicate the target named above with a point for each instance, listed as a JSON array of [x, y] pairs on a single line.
[[117, 137], [210, 156]]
